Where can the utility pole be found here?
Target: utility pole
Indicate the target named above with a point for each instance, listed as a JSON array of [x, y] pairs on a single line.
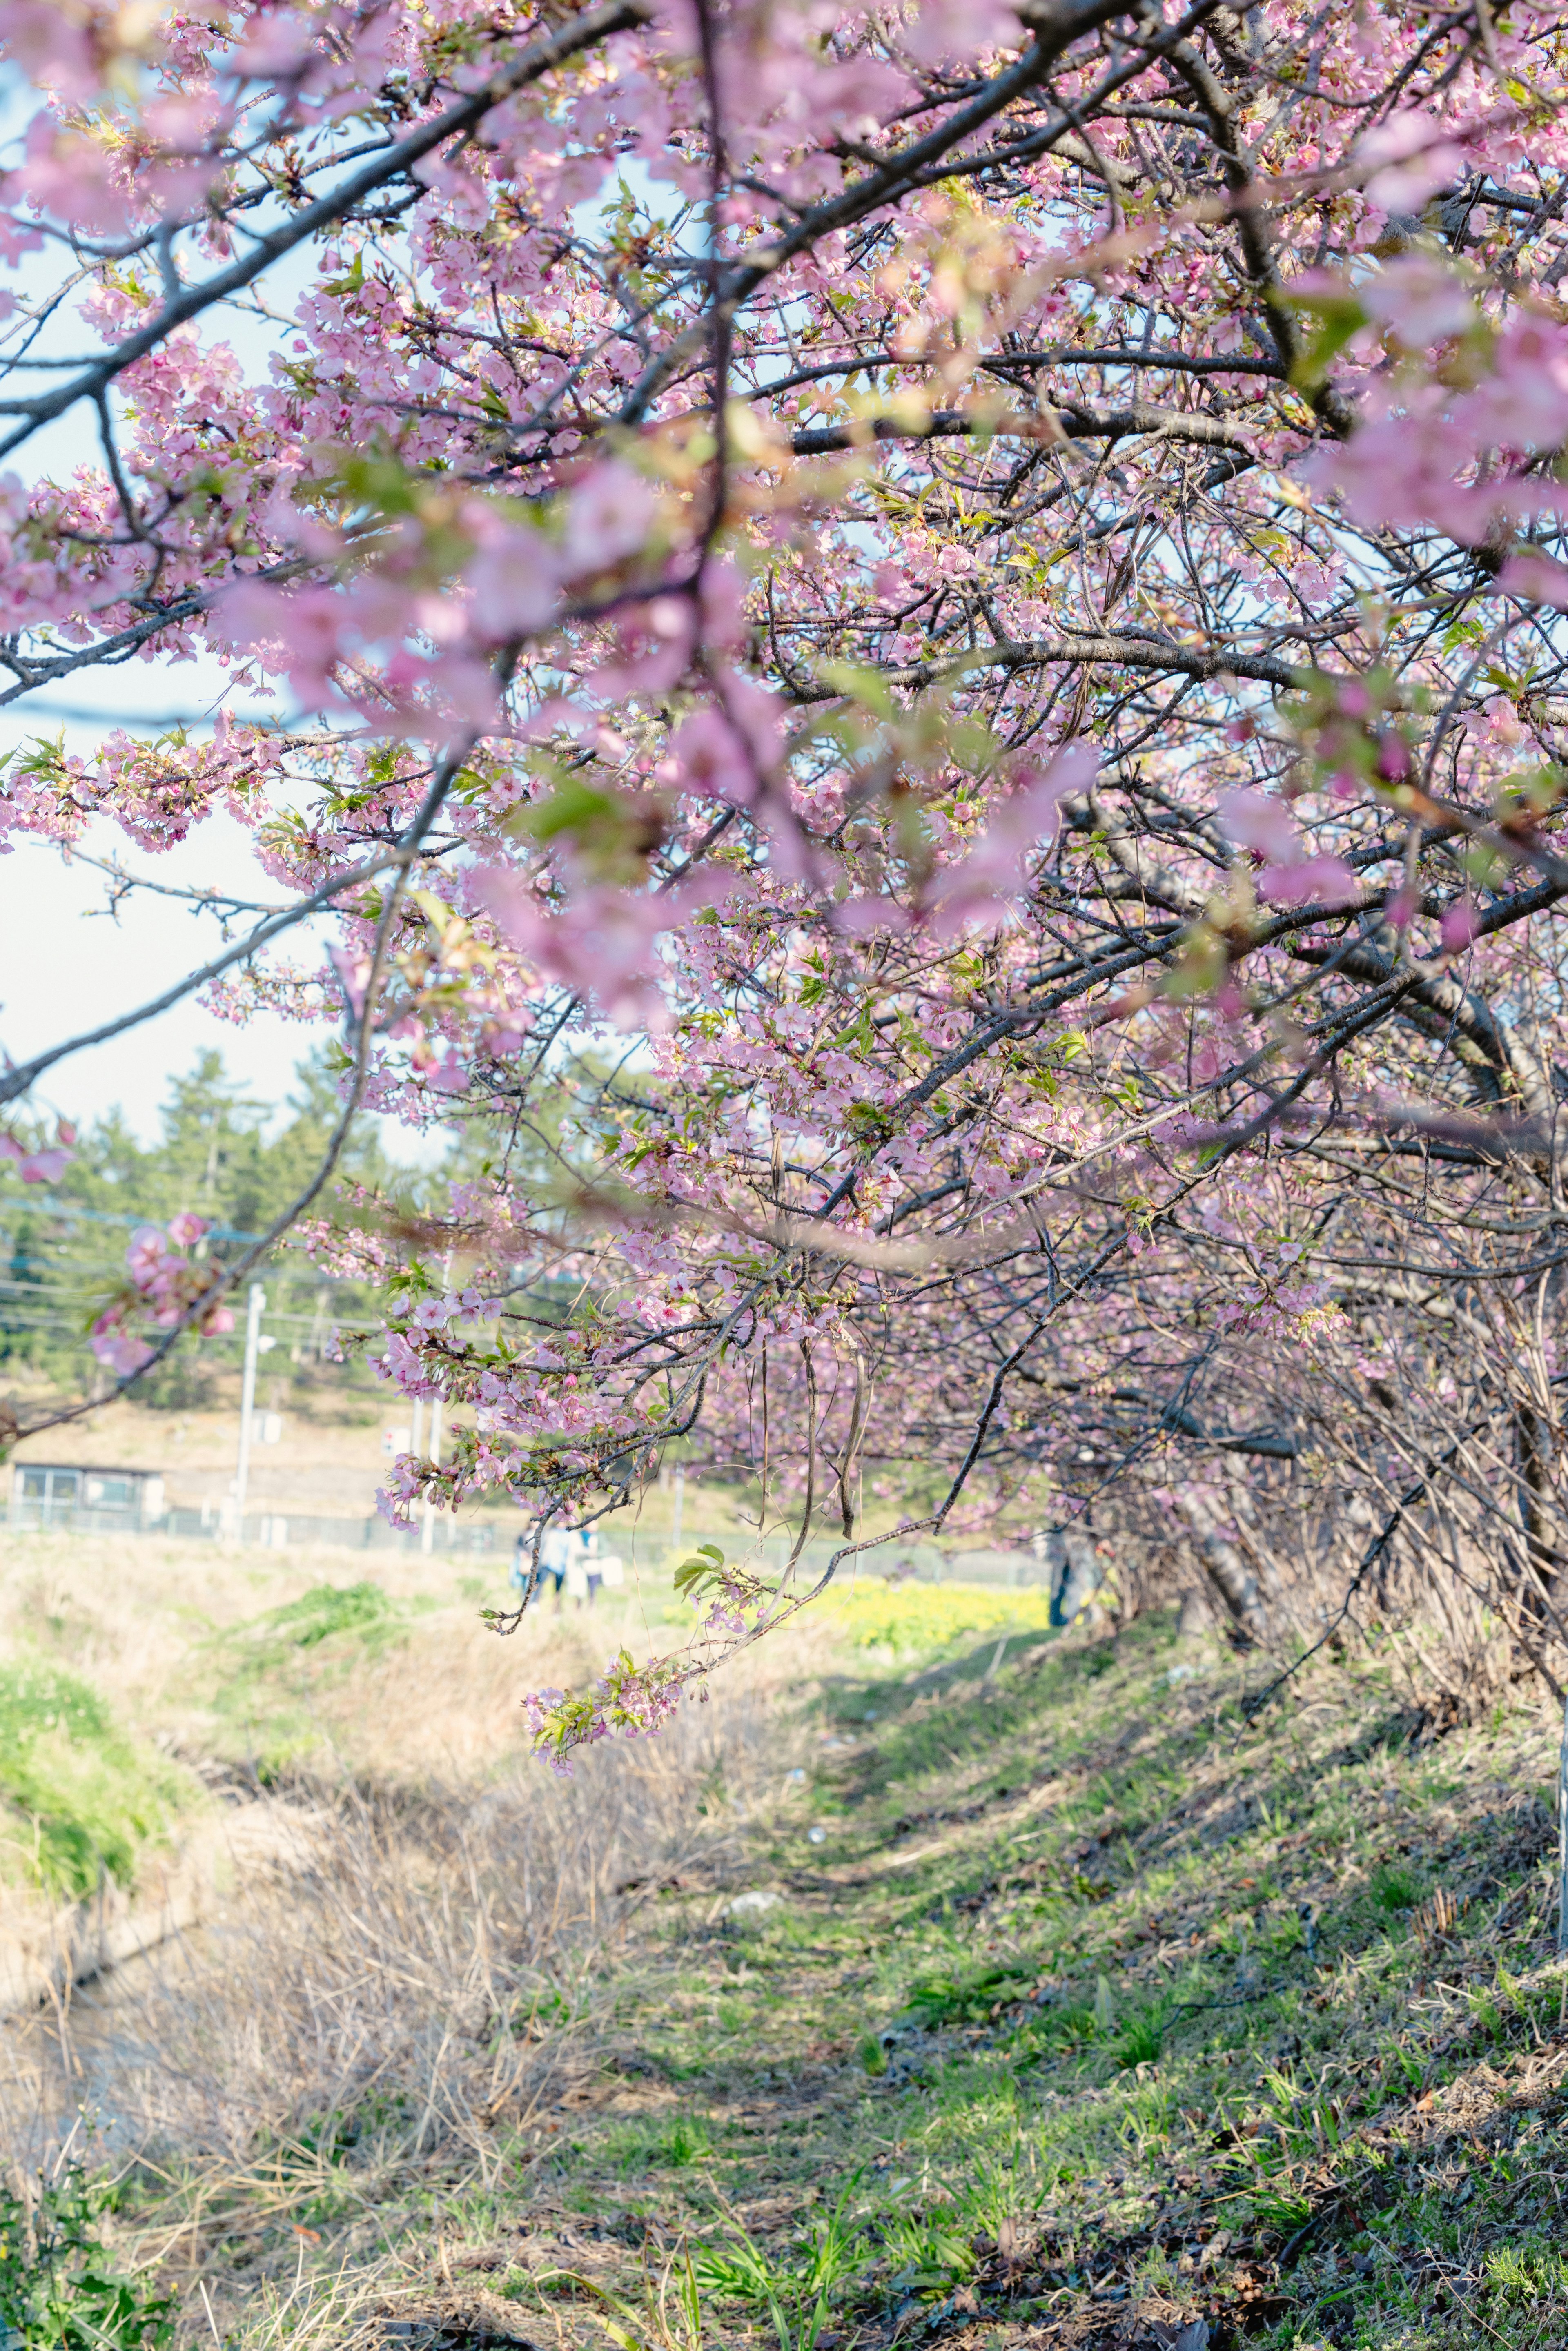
[[427, 1528], [247, 1401], [416, 1430], [427, 1524], [680, 1498]]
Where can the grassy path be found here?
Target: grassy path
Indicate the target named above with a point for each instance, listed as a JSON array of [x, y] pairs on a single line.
[[1019, 1995], [1088, 2018]]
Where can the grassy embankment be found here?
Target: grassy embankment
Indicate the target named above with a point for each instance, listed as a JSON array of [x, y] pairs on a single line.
[[1090, 2017]]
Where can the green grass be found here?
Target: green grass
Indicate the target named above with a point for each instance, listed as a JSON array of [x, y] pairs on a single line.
[[265, 1673], [795, 2294], [79, 1798], [1395, 1889], [60, 2289], [1096, 2006], [970, 1997], [1145, 2022], [363, 1609]]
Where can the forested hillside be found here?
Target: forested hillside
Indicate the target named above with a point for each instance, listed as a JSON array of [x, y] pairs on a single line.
[[219, 1155]]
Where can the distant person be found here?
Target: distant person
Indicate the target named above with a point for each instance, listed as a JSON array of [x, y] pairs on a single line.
[[600, 1569], [554, 1555], [580, 1552]]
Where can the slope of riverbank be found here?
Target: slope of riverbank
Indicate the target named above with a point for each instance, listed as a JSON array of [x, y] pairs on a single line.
[[943, 1981], [1094, 2018]]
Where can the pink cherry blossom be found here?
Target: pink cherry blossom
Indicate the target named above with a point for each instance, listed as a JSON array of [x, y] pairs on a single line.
[[1420, 297], [1539, 577], [1407, 158], [1293, 874], [609, 516], [982, 881], [1262, 824], [1460, 925], [515, 584], [914, 757]]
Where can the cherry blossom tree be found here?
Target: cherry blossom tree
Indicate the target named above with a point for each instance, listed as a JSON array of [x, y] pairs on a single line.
[[945, 620]]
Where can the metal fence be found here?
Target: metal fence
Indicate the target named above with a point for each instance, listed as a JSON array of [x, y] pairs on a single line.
[[925, 1563], [272, 1530], [922, 1562]]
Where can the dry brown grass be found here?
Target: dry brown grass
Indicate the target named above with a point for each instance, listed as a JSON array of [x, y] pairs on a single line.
[[142, 1612], [394, 1968]]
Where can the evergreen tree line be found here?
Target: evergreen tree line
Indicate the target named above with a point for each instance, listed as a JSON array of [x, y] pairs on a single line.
[[221, 1156]]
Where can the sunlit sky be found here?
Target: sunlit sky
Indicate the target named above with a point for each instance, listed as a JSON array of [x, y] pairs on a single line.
[[66, 964]]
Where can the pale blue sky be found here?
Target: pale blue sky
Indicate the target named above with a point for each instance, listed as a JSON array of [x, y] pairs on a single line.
[[65, 965]]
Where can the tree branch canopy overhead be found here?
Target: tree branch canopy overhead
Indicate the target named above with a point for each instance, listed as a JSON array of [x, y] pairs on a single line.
[[947, 622]]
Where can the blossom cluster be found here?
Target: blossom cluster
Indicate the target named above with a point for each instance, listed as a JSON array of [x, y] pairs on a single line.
[[917, 661], [627, 1701], [38, 1162], [166, 1290]]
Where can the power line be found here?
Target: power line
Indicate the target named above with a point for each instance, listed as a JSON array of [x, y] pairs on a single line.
[[50, 1285], [107, 1216]]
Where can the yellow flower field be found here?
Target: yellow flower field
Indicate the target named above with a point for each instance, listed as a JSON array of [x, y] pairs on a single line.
[[930, 1617]]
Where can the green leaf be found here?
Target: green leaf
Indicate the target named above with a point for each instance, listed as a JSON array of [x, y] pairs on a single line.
[[694, 1575], [866, 686], [384, 484], [1341, 316], [612, 832], [351, 282]]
